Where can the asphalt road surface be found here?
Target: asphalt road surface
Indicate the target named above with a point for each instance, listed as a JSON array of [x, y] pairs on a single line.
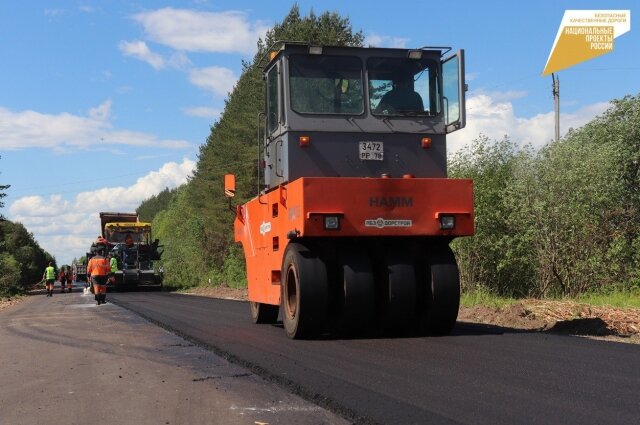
[[66, 361], [478, 375]]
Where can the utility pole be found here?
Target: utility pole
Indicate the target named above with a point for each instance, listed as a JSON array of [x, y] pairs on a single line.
[[556, 103]]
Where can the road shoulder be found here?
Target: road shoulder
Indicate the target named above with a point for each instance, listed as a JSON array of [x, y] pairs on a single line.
[[66, 360]]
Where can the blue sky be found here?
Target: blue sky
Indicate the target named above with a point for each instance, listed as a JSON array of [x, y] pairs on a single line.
[[105, 103]]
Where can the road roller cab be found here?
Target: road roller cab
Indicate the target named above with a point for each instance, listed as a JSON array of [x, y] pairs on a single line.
[[354, 212]]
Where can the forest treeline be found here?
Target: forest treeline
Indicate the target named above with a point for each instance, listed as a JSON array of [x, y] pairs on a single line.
[[22, 261], [558, 220]]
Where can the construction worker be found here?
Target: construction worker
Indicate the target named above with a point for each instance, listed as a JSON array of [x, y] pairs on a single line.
[[401, 98], [70, 278], [113, 263], [49, 277], [100, 243], [98, 272], [62, 277], [128, 240], [129, 254]]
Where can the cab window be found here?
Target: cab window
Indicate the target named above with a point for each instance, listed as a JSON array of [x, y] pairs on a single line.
[[272, 100], [326, 84], [403, 87]]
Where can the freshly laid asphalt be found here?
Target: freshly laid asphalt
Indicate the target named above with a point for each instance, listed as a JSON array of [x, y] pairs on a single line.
[[65, 361], [477, 375]]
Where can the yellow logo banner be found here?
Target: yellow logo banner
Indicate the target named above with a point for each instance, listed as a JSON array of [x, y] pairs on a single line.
[[585, 34]]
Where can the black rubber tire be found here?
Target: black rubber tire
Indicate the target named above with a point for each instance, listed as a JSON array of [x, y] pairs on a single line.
[[399, 313], [263, 313], [304, 292], [442, 292], [357, 296]]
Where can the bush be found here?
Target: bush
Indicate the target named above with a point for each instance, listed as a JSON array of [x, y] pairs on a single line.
[[22, 261], [10, 276], [559, 222]]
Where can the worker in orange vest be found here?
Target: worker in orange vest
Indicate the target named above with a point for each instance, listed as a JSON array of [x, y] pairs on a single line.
[[62, 277], [70, 278], [98, 271]]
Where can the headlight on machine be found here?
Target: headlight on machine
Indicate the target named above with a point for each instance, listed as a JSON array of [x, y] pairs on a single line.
[[447, 222], [331, 222]]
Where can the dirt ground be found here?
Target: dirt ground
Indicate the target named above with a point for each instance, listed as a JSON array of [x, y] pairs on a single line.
[[9, 302], [564, 317]]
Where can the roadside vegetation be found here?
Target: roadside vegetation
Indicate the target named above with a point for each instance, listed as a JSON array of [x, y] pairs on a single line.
[[562, 221], [483, 297], [556, 222], [22, 261], [151, 206], [616, 299], [619, 299]]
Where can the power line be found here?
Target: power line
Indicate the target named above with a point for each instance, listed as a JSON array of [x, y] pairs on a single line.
[[12, 193], [75, 182]]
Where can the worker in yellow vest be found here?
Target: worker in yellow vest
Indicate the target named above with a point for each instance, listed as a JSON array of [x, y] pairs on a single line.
[[113, 264], [49, 277], [98, 271]]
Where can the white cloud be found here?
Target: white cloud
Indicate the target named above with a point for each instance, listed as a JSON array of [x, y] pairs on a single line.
[[216, 79], [471, 76], [178, 60], [40, 207], [115, 198], [493, 115], [194, 31], [377, 40], [140, 50], [501, 96], [31, 129], [66, 228], [203, 112], [54, 13]]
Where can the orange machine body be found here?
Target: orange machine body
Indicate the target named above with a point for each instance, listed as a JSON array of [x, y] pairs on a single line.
[[366, 207]]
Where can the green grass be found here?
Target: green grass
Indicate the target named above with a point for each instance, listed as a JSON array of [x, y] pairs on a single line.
[[485, 298], [618, 298], [623, 299]]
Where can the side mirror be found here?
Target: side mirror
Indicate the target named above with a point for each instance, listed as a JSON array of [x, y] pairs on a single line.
[[229, 185]]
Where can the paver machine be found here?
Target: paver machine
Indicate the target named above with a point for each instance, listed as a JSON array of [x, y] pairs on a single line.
[[130, 242], [354, 212]]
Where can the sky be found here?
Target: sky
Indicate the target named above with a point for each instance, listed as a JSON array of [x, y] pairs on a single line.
[[105, 103]]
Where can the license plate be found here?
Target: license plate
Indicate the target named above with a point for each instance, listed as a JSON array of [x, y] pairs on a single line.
[[371, 151]]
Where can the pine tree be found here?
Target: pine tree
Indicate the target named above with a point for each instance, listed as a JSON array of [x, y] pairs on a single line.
[[197, 227], [2, 195]]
